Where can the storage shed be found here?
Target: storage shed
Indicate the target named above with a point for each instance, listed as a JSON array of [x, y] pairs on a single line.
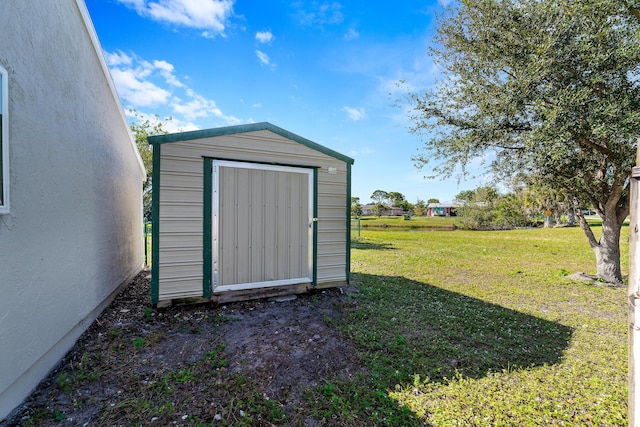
[[247, 211]]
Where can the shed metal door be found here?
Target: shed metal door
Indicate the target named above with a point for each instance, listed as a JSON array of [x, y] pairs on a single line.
[[262, 225]]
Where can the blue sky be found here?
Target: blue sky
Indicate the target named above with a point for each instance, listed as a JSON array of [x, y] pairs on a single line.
[[325, 70]]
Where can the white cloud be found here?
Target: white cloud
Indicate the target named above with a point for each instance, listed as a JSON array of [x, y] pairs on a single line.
[[198, 106], [352, 34], [264, 36], [264, 59], [137, 91], [169, 124], [118, 58], [355, 114], [167, 71], [211, 16], [176, 125], [154, 84], [319, 14]]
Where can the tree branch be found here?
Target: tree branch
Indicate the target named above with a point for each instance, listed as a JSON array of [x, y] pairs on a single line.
[[585, 142], [591, 238], [635, 12]]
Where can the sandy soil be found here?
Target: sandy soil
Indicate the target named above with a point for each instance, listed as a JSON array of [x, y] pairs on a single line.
[[279, 348]]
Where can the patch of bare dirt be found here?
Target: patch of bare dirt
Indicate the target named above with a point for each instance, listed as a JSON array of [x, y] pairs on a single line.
[[194, 365], [592, 279]]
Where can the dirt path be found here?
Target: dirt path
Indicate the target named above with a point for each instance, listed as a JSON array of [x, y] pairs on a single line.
[[195, 364]]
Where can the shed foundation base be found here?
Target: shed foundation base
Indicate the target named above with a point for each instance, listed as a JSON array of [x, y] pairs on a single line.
[[249, 294]]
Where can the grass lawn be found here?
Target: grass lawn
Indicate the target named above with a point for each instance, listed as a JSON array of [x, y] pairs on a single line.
[[450, 328], [399, 221], [471, 328]]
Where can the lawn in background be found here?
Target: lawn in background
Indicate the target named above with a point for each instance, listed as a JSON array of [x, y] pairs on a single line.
[[408, 222], [470, 328]]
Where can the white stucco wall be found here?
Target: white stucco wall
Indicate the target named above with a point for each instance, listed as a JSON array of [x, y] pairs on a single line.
[[74, 231]]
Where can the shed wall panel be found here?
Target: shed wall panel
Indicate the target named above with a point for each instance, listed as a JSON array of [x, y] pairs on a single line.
[[262, 216], [181, 207]]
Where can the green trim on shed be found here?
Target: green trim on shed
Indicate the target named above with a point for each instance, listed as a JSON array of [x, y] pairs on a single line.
[[207, 284], [207, 233], [252, 127], [155, 226], [348, 252], [315, 228]]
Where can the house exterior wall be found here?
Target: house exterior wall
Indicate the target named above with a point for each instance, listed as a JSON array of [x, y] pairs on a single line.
[[440, 210], [180, 253], [73, 233]]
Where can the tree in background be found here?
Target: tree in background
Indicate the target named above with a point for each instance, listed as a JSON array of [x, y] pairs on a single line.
[[379, 209], [547, 87], [479, 213], [419, 207], [404, 205], [465, 196], [380, 196], [141, 128], [356, 208], [485, 208], [539, 197], [399, 201], [396, 198]]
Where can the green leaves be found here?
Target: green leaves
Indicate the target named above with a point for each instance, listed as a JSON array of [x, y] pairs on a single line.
[[542, 87], [526, 76]]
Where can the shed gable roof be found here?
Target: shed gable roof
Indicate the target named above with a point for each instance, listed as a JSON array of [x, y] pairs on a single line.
[[252, 127]]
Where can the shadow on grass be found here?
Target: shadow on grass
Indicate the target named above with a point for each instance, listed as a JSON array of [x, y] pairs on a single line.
[[362, 244], [406, 327], [407, 332]]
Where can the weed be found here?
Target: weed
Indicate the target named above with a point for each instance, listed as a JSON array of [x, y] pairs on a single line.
[[65, 381], [328, 320], [113, 333], [215, 357], [183, 375], [154, 338], [138, 342]]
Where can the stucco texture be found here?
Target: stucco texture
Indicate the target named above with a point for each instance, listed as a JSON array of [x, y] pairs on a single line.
[[73, 233]]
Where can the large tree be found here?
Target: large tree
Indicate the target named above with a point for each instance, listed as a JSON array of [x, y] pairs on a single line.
[[545, 87]]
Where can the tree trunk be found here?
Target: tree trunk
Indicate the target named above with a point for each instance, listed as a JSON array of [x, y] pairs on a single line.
[[607, 249], [608, 253]]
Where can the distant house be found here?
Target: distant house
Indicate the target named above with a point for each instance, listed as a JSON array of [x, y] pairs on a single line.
[[395, 211], [70, 189], [368, 210], [442, 209]]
